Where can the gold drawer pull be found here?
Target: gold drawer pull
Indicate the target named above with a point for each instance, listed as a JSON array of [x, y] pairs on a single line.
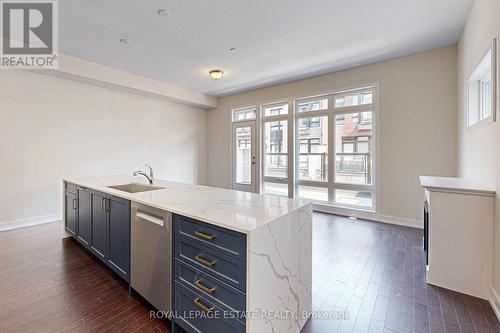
[[204, 235], [204, 288], [202, 306], [204, 261]]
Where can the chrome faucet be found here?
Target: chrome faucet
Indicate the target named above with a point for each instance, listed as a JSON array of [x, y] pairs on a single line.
[[150, 177]]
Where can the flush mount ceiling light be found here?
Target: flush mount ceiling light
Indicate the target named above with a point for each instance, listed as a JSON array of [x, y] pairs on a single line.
[[163, 13], [124, 41], [216, 74], [233, 49]]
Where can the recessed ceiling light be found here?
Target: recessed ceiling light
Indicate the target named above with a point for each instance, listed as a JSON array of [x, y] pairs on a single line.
[[163, 13], [216, 74], [124, 41]]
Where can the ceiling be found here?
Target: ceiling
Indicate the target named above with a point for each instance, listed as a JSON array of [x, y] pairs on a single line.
[[276, 40]]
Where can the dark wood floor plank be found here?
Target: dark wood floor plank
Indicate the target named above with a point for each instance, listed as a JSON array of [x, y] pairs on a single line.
[[448, 307], [436, 322], [490, 316], [481, 323], [464, 317]]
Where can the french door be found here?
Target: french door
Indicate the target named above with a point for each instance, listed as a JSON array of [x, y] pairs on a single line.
[[244, 156]]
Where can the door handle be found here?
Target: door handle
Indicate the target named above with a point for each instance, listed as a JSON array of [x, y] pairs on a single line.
[[75, 203]]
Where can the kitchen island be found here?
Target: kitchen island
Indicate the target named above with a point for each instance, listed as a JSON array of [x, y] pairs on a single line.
[[242, 260]]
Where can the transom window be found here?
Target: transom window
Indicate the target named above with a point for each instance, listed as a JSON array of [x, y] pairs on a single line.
[[244, 114]]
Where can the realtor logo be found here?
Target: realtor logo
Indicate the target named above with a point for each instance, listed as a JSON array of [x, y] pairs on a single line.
[[29, 34]]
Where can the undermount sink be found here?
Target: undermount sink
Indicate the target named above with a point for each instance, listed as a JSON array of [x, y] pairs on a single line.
[[136, 187]]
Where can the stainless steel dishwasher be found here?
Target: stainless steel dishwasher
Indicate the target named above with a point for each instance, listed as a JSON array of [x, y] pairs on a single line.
[[151, 255]]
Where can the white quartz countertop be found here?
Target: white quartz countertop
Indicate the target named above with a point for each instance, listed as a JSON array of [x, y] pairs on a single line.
[[235, 210], [452, 184]]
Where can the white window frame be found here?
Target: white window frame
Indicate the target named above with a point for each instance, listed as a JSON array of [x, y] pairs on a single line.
[[480, 81], [331, 112]]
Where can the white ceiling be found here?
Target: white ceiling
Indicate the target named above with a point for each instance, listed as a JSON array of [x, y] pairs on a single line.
[[276, 40]]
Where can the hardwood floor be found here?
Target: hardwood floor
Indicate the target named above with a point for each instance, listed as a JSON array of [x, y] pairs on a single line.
[[375, 273], [53, 285], [371, 271]]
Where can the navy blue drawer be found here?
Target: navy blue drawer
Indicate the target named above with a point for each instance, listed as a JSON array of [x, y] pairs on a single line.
[[223, 267], [197, 314], [225, 241], [210, 287]]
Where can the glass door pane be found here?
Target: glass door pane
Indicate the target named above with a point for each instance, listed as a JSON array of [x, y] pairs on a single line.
[[244, 156]]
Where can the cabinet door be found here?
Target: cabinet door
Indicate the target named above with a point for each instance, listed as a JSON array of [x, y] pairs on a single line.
[[71, 210], [118, 256], [98, 238], [83, 230]]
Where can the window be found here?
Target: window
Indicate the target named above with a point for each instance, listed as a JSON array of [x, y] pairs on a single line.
[[480, 92], [353, 153], [312, 105], [361, 98], [333, 148], [275, 109], [313, 150], [310, 123], [276, 149], [340, 172], [244, 114]]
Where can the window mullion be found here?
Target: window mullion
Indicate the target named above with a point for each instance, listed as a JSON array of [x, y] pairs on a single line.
[[331, 152]]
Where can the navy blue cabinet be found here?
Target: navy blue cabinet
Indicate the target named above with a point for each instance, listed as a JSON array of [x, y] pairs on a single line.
[[84, 215], [98, 240], [209, 277], [101, 223], [118, 255]]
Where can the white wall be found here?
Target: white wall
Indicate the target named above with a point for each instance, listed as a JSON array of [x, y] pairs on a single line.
[[479, 149], [417, 125], [52, 128]]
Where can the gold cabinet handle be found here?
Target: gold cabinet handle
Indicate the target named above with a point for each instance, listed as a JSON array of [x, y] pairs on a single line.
[[203, 306], [204, 261], [204, 235], [204, 288]]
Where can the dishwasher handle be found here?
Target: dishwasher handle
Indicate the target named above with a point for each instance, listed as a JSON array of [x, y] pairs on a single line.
[[148, 217]]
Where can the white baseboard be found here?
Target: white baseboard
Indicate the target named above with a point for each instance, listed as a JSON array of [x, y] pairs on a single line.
[[21, 223], [367, 215], [495, 302]]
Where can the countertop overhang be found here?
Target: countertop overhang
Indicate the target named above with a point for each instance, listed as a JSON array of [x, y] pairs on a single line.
[[454, 184], [235, 210]]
